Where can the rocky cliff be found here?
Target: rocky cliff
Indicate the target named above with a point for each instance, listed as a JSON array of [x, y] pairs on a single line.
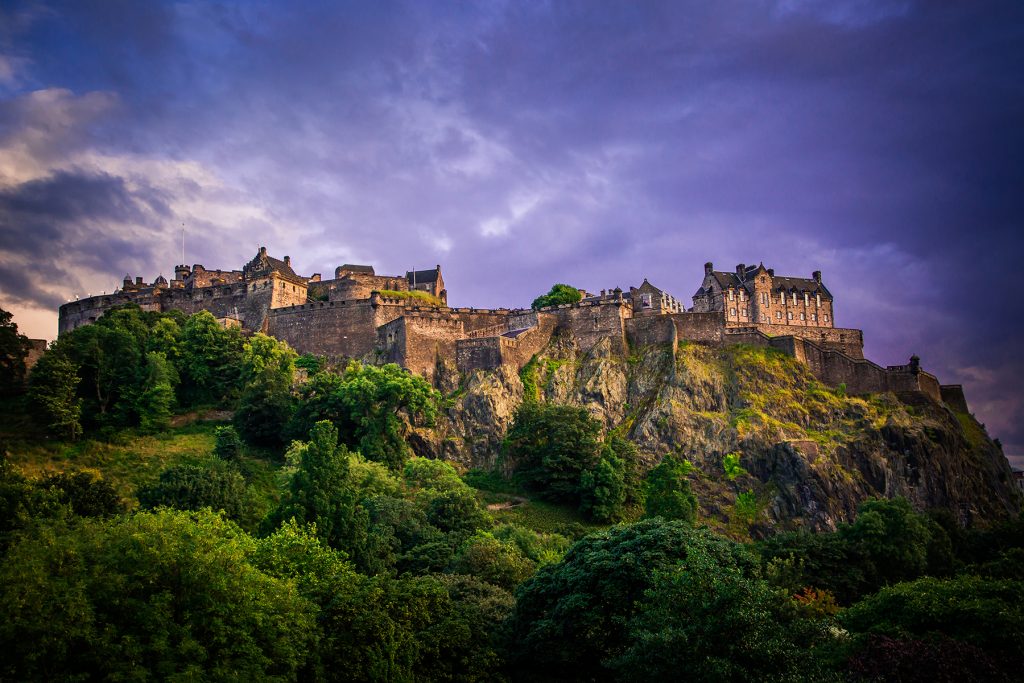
[[807, 453]]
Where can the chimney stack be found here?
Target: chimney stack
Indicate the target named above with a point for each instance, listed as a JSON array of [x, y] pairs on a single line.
[[817, 276], [709, 268], [740, 269], [288, 261]]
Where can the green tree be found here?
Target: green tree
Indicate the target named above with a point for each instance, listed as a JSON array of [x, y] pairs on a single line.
[[148, 596], [497, 562], [985, 613], [210, 360], [668, 491], [191, 487], [894, 538], [706, 620], [367, 403], [266, 404], [571, 618], [53, 395], [550, 447], [321, 491], [86, 493], [226, 444], [558, 294], [157, 400], [14, 347]]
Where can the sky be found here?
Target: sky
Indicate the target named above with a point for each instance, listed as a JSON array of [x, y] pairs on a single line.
[[520, 144]]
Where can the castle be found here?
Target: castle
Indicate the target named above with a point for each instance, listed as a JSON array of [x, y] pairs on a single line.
[[405, 319]]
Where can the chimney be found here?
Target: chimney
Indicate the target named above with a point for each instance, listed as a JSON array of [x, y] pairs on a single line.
[[740, 269], [263, 251], [709, 267], [771, 272], [817, 276], [138, 280], [288, 261]]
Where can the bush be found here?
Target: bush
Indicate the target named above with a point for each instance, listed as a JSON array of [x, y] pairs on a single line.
[[550, 447], [227, 446], [571, 618], [668, 491], [86, 493], [190, 487], [558, 294]]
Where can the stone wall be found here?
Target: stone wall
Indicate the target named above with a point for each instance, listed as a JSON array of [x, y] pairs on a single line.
[[425, 338], [953, 396], [591, 322], [481, 353], [648, 330], [708, 328], [328, 328]]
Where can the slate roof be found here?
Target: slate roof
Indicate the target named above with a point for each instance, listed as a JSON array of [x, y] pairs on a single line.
[[800, 284], [353, 268], [422, 276], [281, 267]]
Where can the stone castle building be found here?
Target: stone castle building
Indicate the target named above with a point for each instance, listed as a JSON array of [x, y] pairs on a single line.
[[405, 319]]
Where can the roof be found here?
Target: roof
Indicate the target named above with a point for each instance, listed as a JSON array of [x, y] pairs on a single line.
[[354, 268], [422, 276], [800, 284], [281, 267]]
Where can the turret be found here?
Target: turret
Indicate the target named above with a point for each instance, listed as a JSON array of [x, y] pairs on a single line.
[[182, 272]]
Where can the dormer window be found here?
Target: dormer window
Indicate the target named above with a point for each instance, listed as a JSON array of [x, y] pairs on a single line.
[[731, 294], [794, 297]]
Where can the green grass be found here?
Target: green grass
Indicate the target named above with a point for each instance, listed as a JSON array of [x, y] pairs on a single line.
[[130, 461], [415, 296], [972, 430], [539, 515]]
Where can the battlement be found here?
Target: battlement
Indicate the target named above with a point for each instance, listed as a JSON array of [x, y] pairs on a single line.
[[387, 318]]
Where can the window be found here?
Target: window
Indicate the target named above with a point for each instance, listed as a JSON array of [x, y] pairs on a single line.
[[743, 312], [806, 299], [778, 314], [789, 316], [803, 316], [794, 298], [730, 295], [814, 317], [826, 317], [732, 312], [817, 300], [645, 301]]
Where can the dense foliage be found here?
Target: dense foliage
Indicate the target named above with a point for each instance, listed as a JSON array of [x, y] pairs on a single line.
[[14, 347], [340, 556], [558, 294]]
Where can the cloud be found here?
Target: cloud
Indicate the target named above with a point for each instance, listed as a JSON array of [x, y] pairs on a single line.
[[521, 144]]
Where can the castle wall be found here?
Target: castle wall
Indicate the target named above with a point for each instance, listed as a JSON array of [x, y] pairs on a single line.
[[360, 285], [424, 338], [708, 327], [326, 328], [591, 322], [649, 330], [845, 340], [482, 353], [953, 396]]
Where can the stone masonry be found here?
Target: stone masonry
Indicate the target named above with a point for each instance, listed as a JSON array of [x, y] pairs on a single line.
[[405, 319]]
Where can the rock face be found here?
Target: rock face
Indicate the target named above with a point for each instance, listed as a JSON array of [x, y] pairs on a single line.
[[807, 454]]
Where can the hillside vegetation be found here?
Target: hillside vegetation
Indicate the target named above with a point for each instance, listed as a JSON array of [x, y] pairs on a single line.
[[178, 502]]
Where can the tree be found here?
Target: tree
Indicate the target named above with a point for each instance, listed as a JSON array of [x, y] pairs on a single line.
[[497, 562], [321, 491], [210, 360], [551, 446], [266, 403], [157, 399], [53, 395], [558, 294], [14, 348], [571, 618], [668, 491], [705, 620], [367, 404], [190, 487], [894, 538], [86, 493], [148, 596], [227, 446]]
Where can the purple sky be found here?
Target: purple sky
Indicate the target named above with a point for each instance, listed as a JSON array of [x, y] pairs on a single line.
[[519, 144]]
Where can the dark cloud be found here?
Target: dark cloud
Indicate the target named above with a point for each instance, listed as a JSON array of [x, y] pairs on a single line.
[[520, 144]]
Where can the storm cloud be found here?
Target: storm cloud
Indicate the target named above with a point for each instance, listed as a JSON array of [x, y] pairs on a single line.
[[519, 144]]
